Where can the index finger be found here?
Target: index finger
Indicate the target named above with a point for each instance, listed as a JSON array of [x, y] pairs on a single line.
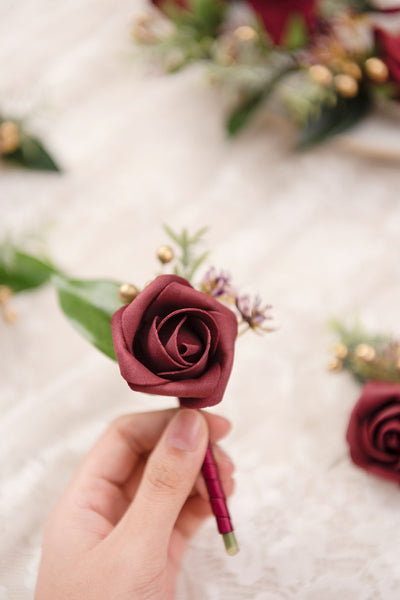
[[129, 438]]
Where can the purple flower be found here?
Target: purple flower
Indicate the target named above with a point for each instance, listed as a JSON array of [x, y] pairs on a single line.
[[218, 285], [253, 313]]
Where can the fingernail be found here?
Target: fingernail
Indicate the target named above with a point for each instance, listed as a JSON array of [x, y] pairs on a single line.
[[184, 432]]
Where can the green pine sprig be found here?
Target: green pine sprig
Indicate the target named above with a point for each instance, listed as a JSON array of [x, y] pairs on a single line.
[[189, 260]]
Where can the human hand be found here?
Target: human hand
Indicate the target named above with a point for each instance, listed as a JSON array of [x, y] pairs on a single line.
[[121, 527]]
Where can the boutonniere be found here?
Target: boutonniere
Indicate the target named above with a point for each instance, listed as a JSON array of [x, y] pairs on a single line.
[[169, 337], [373, 432], [317, 64]]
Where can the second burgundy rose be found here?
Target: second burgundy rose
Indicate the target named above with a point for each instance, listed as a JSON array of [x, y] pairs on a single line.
[[373, 433], [175, 341], [276, 15], [389, 47]]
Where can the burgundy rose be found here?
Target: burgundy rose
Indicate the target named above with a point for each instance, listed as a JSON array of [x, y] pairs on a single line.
[[389, 46], [175, 341], [276, 15], [374, 430]]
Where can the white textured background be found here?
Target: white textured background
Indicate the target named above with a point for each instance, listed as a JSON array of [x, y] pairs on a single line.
[[317, 234]]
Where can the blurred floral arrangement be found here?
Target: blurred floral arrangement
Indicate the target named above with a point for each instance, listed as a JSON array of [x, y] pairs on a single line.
[[20, 147], [373, 432], [169, 338], [320, 64]]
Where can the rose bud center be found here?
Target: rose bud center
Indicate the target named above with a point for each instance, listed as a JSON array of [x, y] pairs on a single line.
[[391, 442]]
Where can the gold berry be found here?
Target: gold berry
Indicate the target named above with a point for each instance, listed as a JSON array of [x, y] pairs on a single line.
[[376, 70], [127, 292], [321, 74], [246, 33], [9, 315], [5, 294], [352, 69], [9, 137], [341, 351], [365, 352], [346, 85], [165, 254], [335, 365]]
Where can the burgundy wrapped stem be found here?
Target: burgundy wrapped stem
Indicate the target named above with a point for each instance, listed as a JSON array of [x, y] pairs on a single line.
[[218, 502]]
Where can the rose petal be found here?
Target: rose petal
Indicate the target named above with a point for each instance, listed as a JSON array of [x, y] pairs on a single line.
[[133, 314], [386, 429], [190, 345], [370, 449], [386, 472], [131, 369], [375, 393], [152, 351], [200, 389], [185, 335]]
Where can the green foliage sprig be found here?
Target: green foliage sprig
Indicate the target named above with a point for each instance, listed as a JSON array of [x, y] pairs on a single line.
[[20, 147], [89, 304], [320, 78], [366, 356]]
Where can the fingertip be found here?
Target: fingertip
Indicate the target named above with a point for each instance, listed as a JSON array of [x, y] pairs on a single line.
[[218, 426], [225, 463]]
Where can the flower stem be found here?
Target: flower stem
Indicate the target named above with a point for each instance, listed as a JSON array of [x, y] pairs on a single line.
[[218, 502]]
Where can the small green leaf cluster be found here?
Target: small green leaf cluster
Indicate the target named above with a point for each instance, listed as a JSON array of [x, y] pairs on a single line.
[[189, 260]]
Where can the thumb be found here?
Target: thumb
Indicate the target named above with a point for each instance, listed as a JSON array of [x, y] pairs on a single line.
[[168, 479]]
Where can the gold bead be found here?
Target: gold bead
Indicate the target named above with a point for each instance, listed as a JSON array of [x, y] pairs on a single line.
[[127, 292], [321, 74], [353, 69], [246, 33], [335, 365], [365, 352], [9, 315], [9, 137], [341, 351], [5, 294], [346, 85], [165, 254], [376, 70]]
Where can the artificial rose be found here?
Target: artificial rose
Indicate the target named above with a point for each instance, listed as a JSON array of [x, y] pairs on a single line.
[[175, 341], [373, 433], [389, 46], [276, 15]]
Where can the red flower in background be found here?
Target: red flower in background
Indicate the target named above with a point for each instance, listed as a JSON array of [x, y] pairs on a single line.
[[373, 433], [389, 46], [276, 15]]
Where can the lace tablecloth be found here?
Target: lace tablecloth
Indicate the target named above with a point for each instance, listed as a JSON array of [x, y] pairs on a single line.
[[317, 234]]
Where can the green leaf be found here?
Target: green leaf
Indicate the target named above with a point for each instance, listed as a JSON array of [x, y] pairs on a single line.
[[332, 120], [89, 306], [199, 234], [33, 155], [174, 236], [21, 271], [243, 114], [296, 34], [240, 117], [197, 263], [202, 17]]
